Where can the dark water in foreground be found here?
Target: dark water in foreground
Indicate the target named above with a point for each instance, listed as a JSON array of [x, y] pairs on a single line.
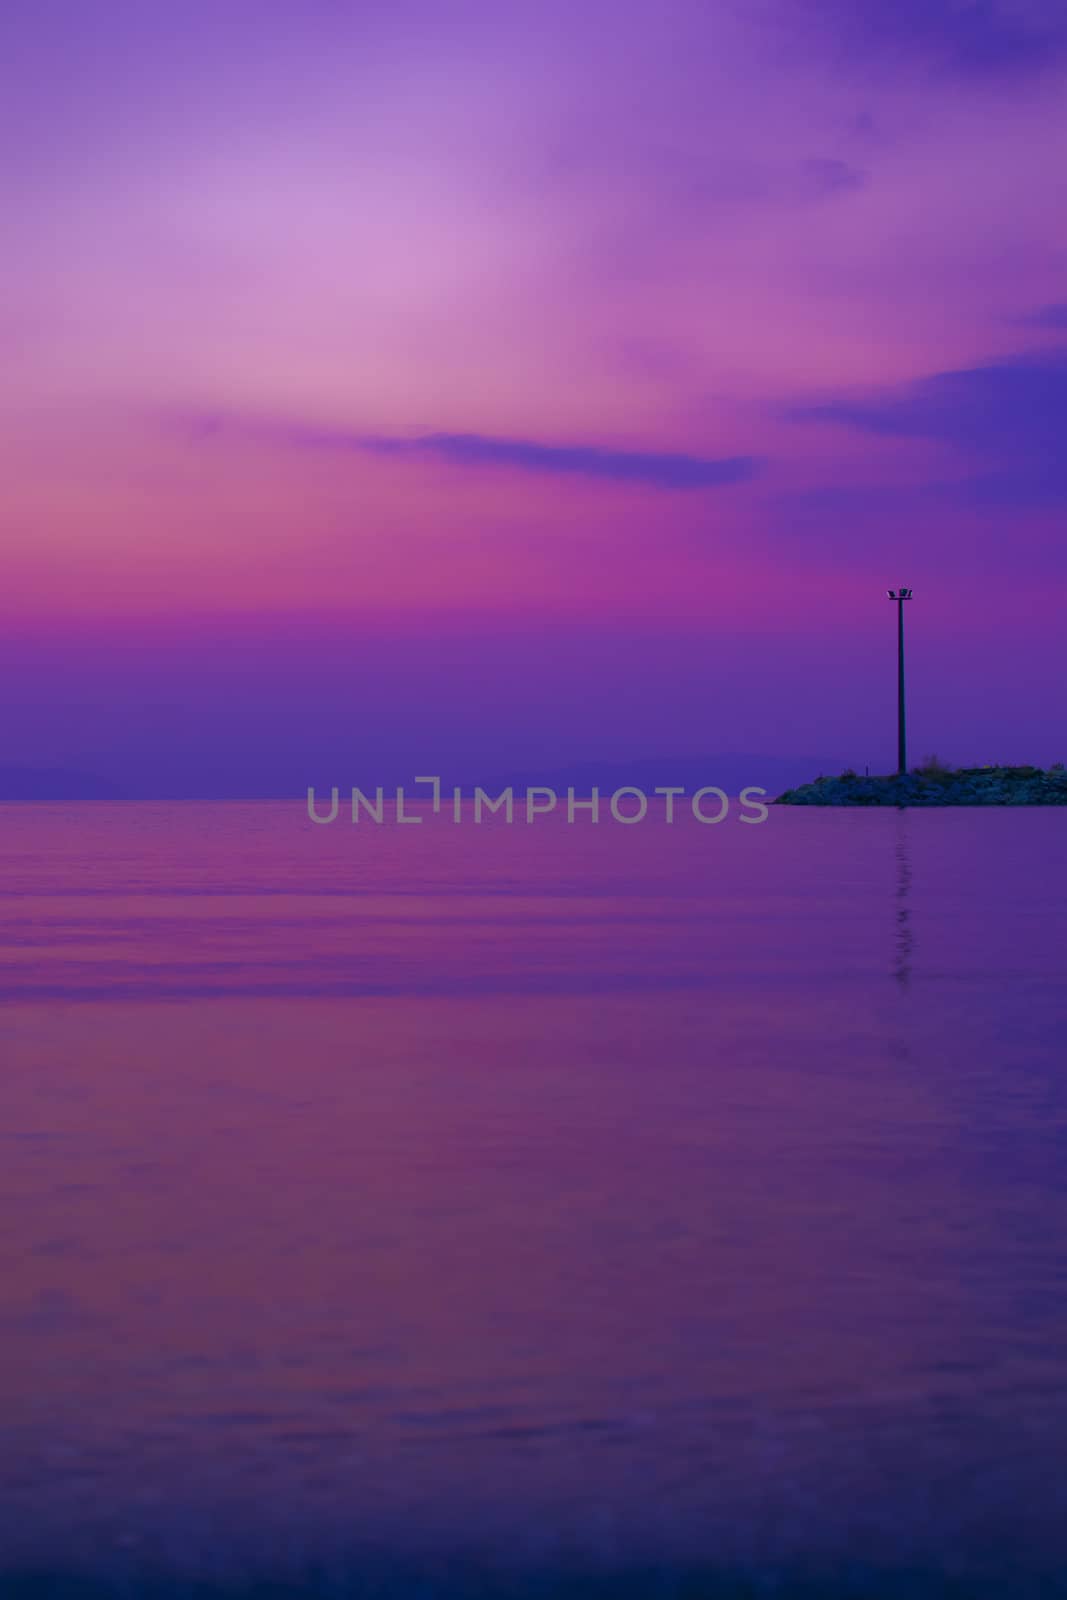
[[584, 1204]]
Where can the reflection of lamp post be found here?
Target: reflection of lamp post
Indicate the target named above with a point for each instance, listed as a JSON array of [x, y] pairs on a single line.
[[900, 595]]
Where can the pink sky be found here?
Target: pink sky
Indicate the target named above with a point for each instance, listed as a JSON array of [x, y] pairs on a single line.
[[681, 330]]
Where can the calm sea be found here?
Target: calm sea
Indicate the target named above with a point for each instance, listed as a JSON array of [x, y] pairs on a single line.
[[533, 1200]]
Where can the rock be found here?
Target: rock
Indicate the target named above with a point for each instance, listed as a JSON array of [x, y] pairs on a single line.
[[938, 786]]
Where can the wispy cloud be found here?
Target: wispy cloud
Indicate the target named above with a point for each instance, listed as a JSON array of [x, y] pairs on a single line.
[[1051, 318], [1007, 418], [1017, 404], [825, 175], [964, 39], [654, 469]]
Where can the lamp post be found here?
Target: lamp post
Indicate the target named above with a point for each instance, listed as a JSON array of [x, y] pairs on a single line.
[[900, 595]]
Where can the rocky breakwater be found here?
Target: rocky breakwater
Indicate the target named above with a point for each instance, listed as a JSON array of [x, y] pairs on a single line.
[[935, 785]]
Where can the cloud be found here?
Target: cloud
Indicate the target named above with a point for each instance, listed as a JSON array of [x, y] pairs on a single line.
[[1008, 418], [966, 39], [693, 183], [824, 175], [1049, 317], [654, 469], [1016, 405]]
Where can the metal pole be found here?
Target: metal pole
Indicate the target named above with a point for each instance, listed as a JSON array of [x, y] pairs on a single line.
[[902, 758], [900, 595]]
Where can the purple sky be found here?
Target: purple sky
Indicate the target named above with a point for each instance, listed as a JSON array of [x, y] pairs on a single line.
[[506, 385]]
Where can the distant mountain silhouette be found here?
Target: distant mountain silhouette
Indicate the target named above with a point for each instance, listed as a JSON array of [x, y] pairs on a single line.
[[733, 771], [54, 783]]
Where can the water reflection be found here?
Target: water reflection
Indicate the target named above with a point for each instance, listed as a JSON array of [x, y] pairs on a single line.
[[904, 943], [536, 1183]]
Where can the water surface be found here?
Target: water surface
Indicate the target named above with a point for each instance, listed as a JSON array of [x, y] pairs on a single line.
[[556, 1194]]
